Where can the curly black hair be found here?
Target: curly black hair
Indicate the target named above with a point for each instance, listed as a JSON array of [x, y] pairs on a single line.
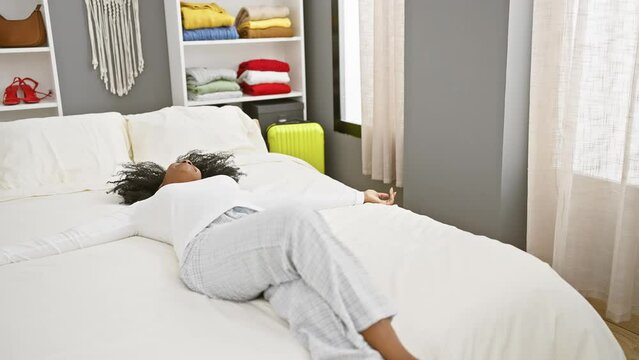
[[139, 181], [212, 164]]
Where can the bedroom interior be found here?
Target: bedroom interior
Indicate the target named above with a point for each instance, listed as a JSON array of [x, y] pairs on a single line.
[[507, 128]]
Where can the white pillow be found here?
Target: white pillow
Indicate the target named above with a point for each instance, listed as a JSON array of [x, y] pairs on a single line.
[[161, 136], [56, 155]]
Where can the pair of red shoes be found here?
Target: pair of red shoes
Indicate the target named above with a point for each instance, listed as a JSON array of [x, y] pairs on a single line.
[[28, 87]]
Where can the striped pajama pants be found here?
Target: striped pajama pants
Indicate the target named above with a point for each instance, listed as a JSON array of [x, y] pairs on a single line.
[[290, 256]]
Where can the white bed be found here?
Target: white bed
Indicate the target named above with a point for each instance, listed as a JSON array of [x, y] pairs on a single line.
[[458, 295]]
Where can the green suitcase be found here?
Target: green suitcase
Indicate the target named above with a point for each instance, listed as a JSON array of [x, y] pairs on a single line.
[[301, 139]]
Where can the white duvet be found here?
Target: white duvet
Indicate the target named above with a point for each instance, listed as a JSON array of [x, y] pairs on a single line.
[[458, 295]]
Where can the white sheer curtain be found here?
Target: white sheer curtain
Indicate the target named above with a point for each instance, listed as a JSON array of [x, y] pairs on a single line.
[[382, 68], [583, 182]]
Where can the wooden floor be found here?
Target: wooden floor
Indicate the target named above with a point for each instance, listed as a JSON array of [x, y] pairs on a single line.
[[627, 333]]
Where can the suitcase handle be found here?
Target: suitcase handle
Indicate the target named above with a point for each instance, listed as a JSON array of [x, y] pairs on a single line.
[[290, 121], [286, 122]]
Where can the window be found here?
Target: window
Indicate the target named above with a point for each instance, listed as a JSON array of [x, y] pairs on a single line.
[[603, 110], [346, 67]]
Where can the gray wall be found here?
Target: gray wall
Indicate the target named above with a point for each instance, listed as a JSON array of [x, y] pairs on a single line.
[[514, 172], [80, 86], [465, 163]]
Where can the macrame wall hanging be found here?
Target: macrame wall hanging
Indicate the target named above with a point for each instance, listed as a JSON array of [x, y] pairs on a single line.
[[116, 42]]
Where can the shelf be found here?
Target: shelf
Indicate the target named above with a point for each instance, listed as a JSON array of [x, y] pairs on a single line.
[[42, 49], [242, 41], [38, 63], [245, 98], [22, 106], [228, 54]]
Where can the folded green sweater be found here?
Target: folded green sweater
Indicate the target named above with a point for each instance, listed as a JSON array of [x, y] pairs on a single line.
[[213, 87]]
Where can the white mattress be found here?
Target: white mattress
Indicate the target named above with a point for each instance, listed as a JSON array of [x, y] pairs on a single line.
[[459, 296]]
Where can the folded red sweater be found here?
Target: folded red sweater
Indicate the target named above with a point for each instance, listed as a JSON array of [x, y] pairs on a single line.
[[265, 89], [263, 65]]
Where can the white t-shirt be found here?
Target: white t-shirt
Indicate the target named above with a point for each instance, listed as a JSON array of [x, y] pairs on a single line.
[[174, 215]]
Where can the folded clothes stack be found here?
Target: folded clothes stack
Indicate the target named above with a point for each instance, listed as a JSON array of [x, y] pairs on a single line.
[[204, 84], [264, 77], [202, 21], [263, 22]]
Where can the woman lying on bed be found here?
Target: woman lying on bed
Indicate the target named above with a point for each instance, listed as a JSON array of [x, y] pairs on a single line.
[[238, 245]]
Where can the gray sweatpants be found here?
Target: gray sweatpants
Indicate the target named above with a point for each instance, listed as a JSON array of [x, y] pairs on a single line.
[[310, 278]]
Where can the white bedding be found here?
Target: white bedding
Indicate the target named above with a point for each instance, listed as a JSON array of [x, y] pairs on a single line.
[[459, 296], [27, 218]]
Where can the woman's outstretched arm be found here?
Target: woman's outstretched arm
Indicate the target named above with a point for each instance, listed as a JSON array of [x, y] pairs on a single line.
[[319, 194], [116, 226]]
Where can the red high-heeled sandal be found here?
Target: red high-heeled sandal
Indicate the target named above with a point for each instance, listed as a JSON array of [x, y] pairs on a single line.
[[30, 93], [11, 93]]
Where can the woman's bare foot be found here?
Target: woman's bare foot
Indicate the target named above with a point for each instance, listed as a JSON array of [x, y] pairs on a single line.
[[381, 337]]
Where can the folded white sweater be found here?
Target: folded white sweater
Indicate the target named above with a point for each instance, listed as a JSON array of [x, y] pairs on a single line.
[[254, 77]]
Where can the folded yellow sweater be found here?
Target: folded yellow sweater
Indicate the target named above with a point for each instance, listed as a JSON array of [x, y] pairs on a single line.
[[201, 15], [265, 24]]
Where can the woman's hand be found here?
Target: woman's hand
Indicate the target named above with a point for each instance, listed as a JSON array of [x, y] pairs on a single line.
[[374, 197]]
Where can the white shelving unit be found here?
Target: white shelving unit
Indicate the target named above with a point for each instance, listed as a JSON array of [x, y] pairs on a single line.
[[41, 49], [241, 41], [230, 53], [37, 63], [245, 98]]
